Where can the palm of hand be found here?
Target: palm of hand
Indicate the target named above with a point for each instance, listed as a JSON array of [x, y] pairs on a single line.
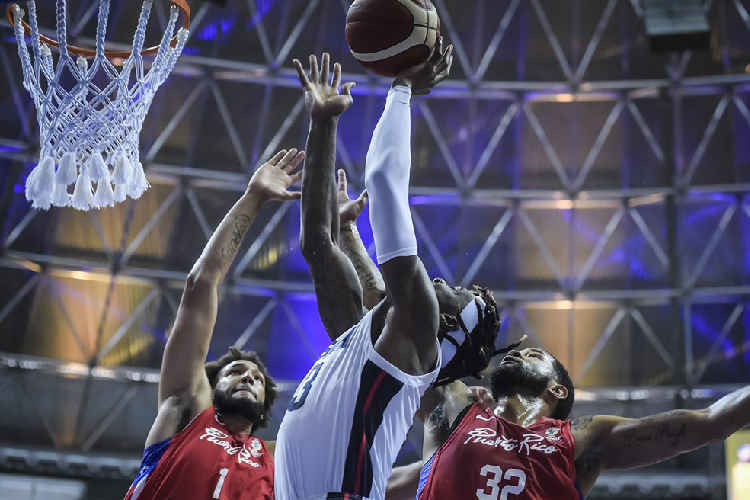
[[272, 181], [322, 99]]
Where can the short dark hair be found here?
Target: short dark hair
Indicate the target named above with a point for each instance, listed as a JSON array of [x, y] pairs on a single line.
[[214, 367], [562, 377]]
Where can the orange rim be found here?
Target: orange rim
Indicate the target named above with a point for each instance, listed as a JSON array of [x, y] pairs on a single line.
[[181, 4]]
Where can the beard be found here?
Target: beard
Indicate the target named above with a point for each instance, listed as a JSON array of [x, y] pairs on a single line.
[[240, 407], [514, 378]]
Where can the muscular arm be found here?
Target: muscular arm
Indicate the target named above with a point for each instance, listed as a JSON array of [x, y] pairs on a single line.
[[438, 410], [607, 442], [408, 339], [373, 286], [184, 390], [403, 483], [187, 346], [350, 242], [337, 287]]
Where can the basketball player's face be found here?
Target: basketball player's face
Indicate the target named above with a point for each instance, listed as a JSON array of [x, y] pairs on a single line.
[[530, 371], [451, 299], [240, 391], [242, 380]]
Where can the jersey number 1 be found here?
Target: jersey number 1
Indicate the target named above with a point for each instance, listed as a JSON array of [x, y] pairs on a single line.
[[222, 477], [494, 476]]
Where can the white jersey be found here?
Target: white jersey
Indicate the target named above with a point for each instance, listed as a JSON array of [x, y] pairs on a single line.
[[346, 422]]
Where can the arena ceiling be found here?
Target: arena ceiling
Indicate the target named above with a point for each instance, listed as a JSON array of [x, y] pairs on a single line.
[[601, 191]]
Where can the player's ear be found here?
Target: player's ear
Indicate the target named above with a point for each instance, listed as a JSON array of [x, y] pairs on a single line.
[[559, 391], [448, 323]]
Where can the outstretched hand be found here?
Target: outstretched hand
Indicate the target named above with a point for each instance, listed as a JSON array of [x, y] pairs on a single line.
[[273, 179], [322, 97], [349, 210], [423, 77], [482, 395]]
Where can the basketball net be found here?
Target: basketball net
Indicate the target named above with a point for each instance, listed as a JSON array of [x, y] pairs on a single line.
[[90, 113]]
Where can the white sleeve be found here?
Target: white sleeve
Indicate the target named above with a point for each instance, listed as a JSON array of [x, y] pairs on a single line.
[[387, 179]]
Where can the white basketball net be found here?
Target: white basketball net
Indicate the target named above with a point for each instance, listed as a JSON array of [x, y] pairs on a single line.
[[89, 130]]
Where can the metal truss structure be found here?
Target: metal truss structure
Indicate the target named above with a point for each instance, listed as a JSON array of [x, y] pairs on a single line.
[[601, 191]]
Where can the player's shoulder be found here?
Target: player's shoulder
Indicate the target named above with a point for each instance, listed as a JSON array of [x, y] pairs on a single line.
[[594, 423], [586, 430]]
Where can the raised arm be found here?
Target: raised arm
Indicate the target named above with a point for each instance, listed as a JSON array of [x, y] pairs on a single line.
[[408, 339], [337, 288], [438, 410], [350, 242], [183, 387], [403, 482], [607, 442]]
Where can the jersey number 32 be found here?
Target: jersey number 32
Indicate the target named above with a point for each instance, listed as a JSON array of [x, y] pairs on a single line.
[[501, 485]]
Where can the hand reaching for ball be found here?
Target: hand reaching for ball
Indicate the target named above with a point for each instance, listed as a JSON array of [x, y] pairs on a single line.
[[322, 97], [423, 77]]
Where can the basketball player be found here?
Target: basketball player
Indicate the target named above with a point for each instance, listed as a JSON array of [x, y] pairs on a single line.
[[520, 445], [350, 415], [201, 444]]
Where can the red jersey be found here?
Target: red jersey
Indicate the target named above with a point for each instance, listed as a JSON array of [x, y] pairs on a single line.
[[205, 461], [489, 458]]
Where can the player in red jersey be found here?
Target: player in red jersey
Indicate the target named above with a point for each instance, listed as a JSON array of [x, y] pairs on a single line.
[[516, 442], [201, 445], [519, 445]]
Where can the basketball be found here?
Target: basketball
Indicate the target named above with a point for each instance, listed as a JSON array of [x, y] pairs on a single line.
[[389, 36]]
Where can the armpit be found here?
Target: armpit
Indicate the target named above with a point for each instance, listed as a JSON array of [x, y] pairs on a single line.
[[438, 421]]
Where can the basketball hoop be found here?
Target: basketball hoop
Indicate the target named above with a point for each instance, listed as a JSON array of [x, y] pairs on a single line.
[[90, 114]]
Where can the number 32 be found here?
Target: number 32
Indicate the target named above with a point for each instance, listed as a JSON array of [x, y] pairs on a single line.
[[494, 475]]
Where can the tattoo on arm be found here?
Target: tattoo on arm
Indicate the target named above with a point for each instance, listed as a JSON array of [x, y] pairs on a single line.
[[352, 246], [241, 225], [337, 291], [664, 433], [580, 423]]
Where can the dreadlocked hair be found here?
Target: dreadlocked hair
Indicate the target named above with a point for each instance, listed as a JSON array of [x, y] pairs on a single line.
[[490, 321], [214, 367], [474, 355]]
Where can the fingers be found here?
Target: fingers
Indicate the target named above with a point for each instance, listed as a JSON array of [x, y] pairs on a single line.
[[301, 73], [446, 60], [293, 162], [336, 76], [443, 68], [292, 195], [277, 157], [296, 177], [283, 164], [482, 395], [362, 199], [314, 74], [437, 53], [325, 62], [342, 184], [347, 89]]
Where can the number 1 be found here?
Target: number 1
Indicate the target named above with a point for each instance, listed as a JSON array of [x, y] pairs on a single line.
[[223, 475]]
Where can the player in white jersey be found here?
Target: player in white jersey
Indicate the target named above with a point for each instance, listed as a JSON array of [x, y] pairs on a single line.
[[350, 415]]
